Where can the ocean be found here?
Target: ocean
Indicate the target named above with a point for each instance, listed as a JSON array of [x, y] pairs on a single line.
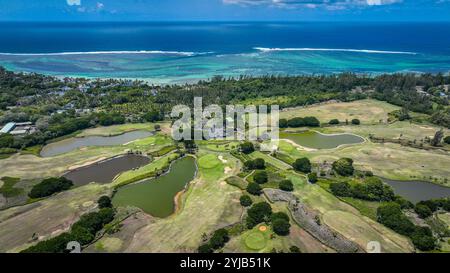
[[189, 51]]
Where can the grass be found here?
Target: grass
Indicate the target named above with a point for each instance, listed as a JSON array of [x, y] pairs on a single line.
[[399, 129], [209, 161], [33, 150], [219, 145], [387, 160], [274, 178], [17, 224], [265, 101], [209, 203], [29, 166], [366, 208], [115, 130], [8, 190], [7, 152], [256, 239], [271, 160], [237, 182], [368, 111], [146, 171], [163, 151], [345, 218], [364, 230]]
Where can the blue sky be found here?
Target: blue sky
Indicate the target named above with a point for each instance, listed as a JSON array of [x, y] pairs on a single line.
[[225, 10]]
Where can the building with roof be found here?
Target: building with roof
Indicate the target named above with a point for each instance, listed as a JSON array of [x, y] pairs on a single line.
[[8, 128]]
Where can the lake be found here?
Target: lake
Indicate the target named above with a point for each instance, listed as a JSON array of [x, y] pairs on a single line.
[[156, 196], [416, 191], [105, 171], [70, 144], [315, 140]]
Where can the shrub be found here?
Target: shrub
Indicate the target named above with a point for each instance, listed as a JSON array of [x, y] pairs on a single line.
[[83, 231], [246, 201], [205, 248], [423, 239], [281, 227], [423, 211], [334, 122], [219, 238], [247, 147], [433, 205], [260, 177], [50, 186], [447, 140], [404, 204], [296, 122], [258, 213], [356, 121], [311, 121], [279, 215], [283, 123], [286, 185], [344, 167], [257, 164], [294, 249], [81, 235], [312, 177], [341, 189], [306, 121], [302, 165], [104, 202], [254, 188], [391, 215], [373, 189]]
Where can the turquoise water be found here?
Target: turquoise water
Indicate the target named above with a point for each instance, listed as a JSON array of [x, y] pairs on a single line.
[[187, 52]]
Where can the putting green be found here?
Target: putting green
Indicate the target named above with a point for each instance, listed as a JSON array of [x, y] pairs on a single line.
[[256, 240], [209, 161]]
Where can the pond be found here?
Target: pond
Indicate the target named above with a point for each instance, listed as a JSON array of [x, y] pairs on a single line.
[[156, 196], [105, 171], [74, 143], [416, 191], [315, 140]]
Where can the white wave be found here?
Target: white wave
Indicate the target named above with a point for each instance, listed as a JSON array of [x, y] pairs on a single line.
[[265, 49], [182, 53]]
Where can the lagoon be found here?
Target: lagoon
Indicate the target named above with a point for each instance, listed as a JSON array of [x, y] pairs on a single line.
[[156, 196], [416, 191], [70, 144], [105, 171]]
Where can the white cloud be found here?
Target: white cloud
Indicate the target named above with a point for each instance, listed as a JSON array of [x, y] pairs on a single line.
[[73, 2], [100, 5]]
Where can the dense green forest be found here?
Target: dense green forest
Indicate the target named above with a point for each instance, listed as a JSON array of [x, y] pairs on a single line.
[[63, 106]]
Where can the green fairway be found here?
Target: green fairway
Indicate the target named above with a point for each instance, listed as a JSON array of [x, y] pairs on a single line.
[[271, 160], [368, 111]]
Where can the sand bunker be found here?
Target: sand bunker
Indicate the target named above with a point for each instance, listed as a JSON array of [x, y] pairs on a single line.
[[222, 159]]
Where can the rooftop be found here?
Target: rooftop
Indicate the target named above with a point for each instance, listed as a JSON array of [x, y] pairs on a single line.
[[8, 128]]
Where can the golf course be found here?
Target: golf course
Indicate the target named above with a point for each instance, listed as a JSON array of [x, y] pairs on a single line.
[[176, 197]]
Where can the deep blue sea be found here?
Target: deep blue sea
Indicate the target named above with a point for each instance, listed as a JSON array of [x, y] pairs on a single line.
[[187, 52]]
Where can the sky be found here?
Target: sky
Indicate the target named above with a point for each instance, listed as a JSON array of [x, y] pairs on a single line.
[[224, 10]]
